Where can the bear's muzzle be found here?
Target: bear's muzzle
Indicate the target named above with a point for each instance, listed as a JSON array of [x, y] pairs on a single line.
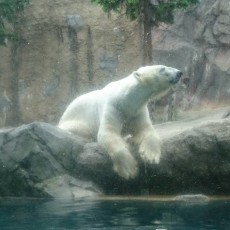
[[176, 78]]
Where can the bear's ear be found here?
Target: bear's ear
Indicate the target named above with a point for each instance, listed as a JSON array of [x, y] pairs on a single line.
[[137, 75], [162, 69]]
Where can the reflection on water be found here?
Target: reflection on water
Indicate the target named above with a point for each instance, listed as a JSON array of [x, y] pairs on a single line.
[[113, 214]]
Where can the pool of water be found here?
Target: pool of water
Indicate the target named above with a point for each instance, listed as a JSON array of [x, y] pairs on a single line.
[[122, 214]]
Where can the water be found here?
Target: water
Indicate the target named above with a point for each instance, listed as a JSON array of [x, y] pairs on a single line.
[[112, 214]]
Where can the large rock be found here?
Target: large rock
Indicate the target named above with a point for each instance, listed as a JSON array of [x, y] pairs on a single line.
[[40, 160], [37, 160]]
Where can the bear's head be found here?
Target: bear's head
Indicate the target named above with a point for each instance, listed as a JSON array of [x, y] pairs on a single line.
[[158, 75]]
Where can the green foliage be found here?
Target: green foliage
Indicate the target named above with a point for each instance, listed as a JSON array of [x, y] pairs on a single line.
[[164, 11], [8, 11], [159, 10]]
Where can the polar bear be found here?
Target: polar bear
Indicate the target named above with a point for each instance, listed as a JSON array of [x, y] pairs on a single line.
[[103, 114]]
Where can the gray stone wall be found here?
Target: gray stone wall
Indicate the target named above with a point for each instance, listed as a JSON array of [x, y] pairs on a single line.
[[199, 44], [69, 47]]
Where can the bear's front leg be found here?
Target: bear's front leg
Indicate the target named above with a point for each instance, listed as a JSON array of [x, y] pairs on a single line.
[[109, 137], [124, 163], [145, 136], [150, 148]]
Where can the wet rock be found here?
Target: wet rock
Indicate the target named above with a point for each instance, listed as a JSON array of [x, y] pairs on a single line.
[[193, 199], [35, 159], [40, 160], [67, 187]]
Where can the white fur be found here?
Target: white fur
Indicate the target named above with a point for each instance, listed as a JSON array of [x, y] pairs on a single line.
[[102, 114]]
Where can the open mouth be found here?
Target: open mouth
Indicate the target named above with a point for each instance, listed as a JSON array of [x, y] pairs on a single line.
[[175, 80]]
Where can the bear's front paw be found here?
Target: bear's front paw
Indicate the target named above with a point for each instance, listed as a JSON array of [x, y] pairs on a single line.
[[150, 149], [124, 164]]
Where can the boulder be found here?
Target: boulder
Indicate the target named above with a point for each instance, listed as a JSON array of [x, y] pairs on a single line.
[[40, 160], [37, 160]]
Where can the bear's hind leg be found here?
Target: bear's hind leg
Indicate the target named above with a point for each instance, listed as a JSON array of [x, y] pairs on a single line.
[[77, 128]]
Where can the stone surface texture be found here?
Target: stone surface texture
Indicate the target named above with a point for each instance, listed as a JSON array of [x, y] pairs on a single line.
[[40, 160], [69, 47], [199, 44]]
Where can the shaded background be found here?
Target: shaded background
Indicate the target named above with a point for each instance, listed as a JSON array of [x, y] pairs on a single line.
[[72, 47]]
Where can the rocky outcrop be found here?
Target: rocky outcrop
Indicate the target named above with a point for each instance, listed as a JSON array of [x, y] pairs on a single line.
[[37, 160], [40, 160], [199, 43]]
